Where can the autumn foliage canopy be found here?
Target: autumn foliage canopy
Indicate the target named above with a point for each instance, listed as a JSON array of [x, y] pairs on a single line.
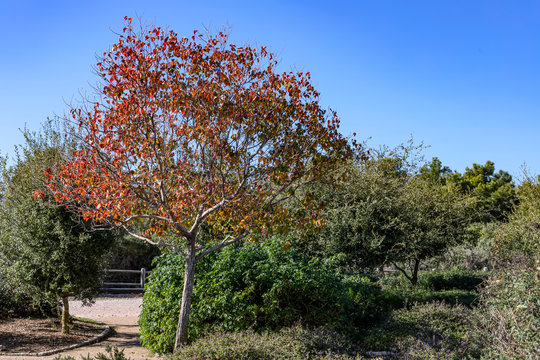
[[195, 130]]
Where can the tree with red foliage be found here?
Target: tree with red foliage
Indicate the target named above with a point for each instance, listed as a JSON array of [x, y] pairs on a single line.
[[194, 131]]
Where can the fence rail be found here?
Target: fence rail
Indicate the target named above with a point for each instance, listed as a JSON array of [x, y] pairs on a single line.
[[126, 286]]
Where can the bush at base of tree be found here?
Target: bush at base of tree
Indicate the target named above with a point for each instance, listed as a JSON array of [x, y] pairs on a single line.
[[256, 286], [289, 343], [11, 305]]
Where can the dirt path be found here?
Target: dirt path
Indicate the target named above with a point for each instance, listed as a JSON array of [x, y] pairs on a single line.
[[122, 313]]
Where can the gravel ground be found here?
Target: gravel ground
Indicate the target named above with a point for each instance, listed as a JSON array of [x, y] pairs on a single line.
[[120, 312], [108, 307]]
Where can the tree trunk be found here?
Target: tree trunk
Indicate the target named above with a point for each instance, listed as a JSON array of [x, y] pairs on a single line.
[[65, 314], [414, 278], [414, 275], [183, 319]]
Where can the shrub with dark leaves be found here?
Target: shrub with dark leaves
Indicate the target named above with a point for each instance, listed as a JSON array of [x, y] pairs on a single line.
[[249, 286]]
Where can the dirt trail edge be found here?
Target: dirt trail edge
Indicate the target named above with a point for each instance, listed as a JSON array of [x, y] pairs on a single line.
[[122, 313]]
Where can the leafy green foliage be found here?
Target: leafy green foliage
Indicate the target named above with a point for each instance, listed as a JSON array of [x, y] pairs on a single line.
[[383, 214], [435, 171], [46, 254], [509, 317], [257, 286], [289, 343], [521, 234], [425, 331], [51, 249], [495, 192]]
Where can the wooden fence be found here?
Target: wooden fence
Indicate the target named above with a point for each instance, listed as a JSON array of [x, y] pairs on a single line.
[[126, 286]]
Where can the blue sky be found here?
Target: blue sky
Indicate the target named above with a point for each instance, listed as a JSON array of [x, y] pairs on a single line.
[[462, 76]]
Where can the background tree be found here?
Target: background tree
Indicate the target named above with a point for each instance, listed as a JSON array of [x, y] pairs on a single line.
[[194, 131], [495, 192], [382, 214], [520, 235], [435, 171], [46, 253]]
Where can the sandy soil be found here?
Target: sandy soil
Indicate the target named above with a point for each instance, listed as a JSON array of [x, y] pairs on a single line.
[[122, 313]]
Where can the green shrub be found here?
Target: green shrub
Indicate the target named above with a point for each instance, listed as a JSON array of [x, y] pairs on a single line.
[[256, 286], [452, 279], [14, 302], [424, 330], [475, 253], [161, 304], [509, 317], [450, 297], [451, 288], [289, 343], [369, 304]]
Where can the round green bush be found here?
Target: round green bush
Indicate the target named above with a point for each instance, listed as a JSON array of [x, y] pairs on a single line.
[[247, 286]]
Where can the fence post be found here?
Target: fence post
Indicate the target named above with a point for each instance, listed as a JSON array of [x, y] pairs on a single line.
[[143, 277]]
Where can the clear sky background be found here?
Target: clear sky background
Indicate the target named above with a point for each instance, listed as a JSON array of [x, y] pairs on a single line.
[[461, 76]]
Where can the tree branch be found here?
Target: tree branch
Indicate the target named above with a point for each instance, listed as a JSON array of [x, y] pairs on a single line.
[[222, 244], [404, 272], [155, 243], [183, 231]]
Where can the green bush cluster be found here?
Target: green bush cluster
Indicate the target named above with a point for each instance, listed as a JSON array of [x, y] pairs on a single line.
[[15, 302], [259, 287], [433, 330], [7, 304], [509, 317], [461, 279], [290, 343], [452, 287]]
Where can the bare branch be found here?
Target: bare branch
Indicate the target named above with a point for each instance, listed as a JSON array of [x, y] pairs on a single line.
[[222, 244], [202, 215], [155, 243], [402, 271]]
